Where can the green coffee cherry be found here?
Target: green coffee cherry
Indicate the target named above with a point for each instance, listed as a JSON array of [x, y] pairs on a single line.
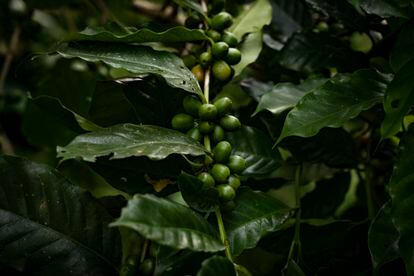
[[195, 134], [361, 42], [191, 105], [147, 267], [234, 182], [233, 56], [218, 134], [214, 35], [220, 172], [207, 179], [198, 72], [229, 122], [207, 112], [182, 122], [222, 151], [221, 70], [205, 127], [223, 106], [226, 192], [205, 59], [322, 26], [237, 164], [189, 60], [220, 49], [230, 39], [221, 21]]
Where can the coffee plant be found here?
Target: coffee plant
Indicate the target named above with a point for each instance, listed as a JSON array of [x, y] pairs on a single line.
[[210, 137]]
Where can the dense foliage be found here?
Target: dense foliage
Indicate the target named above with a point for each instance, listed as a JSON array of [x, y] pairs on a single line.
[[186, 137]]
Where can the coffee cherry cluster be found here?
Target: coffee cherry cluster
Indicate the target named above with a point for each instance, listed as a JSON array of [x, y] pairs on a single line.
[[223, 51], [212, 121]]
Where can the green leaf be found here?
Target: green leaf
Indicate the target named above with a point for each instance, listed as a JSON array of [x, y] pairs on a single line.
[[310, 52], [250, 49], [132, 35], [47, 122], [81, 175], [256, 147], [284, 96], [255, 215], [173, 262], [290, 16], [136, 59], [252, 19], [332, 104], [110, 106], [193, 5], [49, 226], [399, 97], [388, 8], [128, 140], [169, 224], [383, 238], [217, 266], [401, 191], [198, 197], [403, 50]]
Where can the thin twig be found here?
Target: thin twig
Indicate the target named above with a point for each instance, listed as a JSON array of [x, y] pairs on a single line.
[[14, 43]]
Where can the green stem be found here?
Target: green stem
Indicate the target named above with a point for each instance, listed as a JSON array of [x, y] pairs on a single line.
[[144, 250], [207, 143], [223, 235], [296, 238], [207, 85], [368, 191]]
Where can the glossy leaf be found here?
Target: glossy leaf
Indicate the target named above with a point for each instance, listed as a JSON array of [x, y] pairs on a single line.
[[310, 52], [256, 147], [255, 88], [387, 8], [173, 262], [399, 98], [332, 104], [169, 224], [403, 51], [290, 16], [47, 122], [49, 226], [383, 238], [216, 265], [401, 191], [136, 59], [195, 195], [250, 49], [256, 214], [128, 140], [193, 5], [284, 96], [252, 19], [132, 35]]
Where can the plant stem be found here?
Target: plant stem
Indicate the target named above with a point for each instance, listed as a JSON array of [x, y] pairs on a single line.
[[223, 235], [296, 238], [207, 85], [144, 250], [368, 191], [207, 143]]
